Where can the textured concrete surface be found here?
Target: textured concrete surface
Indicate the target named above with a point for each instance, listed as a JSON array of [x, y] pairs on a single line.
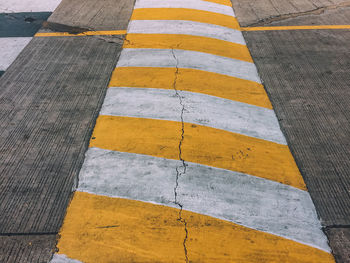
[[94, 15], [340, 240], [265, 12], [50, 97], [308, 85], [306, 74], [26, 248]]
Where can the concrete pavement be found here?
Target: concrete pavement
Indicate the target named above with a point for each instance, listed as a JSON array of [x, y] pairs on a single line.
[[306, 73], [186, 162]]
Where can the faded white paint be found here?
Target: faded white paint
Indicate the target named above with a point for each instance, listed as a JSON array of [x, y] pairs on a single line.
[[148, 57], [60, 258], [190, 4], [10, 47], [200, 109], [243, 199], [186, 28], [16, 6]]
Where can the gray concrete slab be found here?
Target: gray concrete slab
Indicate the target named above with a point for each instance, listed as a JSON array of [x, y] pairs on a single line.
[[265, 12], [307, 75], [24, 249], [94, 15], [340, 238], [50, 97]]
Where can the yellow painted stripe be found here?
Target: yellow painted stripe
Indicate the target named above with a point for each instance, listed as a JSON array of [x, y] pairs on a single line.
[[221, 2], [87, 33], [193, 80], [203, 145], [295, 27], [185, 14], [186, 42], [105, 229]]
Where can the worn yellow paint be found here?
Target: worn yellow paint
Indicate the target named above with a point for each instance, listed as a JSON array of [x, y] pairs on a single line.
[[87, 33], [186, 42], [193, 80], [105, 229], [221, 2], [295, 27], [203, 145], [185, 14]]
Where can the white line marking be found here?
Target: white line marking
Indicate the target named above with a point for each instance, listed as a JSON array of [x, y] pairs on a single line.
[[200, 109], [186, 28], [149, 57], [243, 199], [16, 6], [60, 258], [10, 47], [190, 4]]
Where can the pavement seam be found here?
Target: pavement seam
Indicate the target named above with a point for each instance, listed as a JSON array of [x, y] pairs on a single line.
[[183, 172], [316, 11]]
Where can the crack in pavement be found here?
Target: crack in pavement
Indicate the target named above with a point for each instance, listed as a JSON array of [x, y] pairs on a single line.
[[178, 172], [316, 11]]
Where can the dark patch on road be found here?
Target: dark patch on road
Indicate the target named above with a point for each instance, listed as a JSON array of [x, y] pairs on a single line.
[[56, 27], [1, 72], [21, 24]]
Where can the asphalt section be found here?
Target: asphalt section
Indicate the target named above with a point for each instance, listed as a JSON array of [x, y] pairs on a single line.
[[307, 74], [50, 97], [187, 162]]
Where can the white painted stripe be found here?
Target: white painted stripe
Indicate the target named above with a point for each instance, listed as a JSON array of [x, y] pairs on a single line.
[[10, 47], [148, 57], [190, 4], [243, 199], [60, 258], [186, 28], [200, 109], [16, 6]]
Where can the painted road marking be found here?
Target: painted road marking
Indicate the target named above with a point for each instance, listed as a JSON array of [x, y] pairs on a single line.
[[186, 42], [58, 258], [222, 194], [188, 4], [103, 229], [221, 2], [295, 27], [192, 80], [204, 110], [185, 28], [175, 171], [186, 15], [149, 57], [203, 145]]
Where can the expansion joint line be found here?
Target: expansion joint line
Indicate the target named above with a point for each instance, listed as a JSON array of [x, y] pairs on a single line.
[[182, 169]]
